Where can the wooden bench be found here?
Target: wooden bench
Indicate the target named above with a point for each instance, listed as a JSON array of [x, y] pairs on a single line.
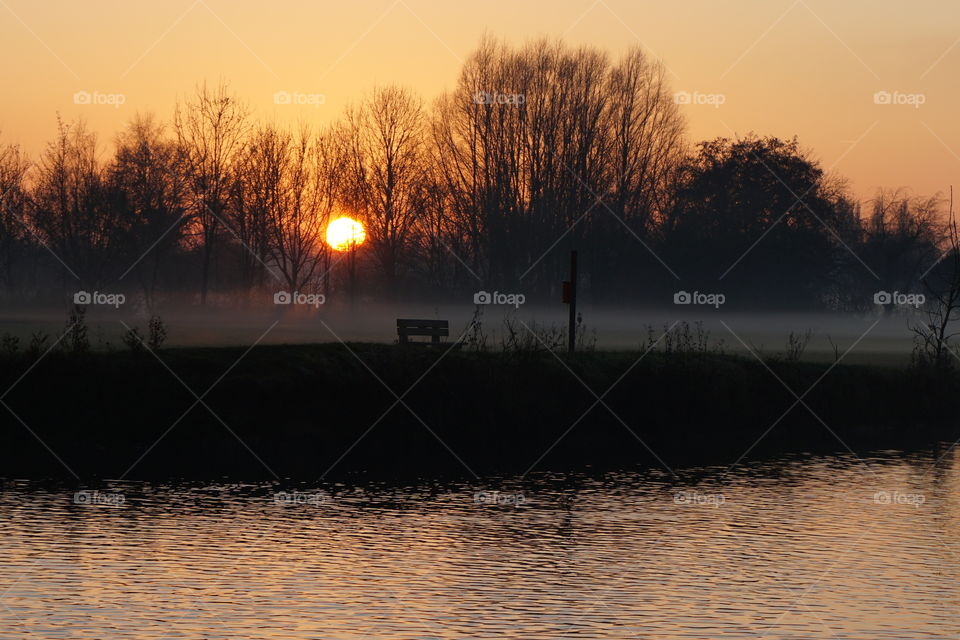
[[434, 329]]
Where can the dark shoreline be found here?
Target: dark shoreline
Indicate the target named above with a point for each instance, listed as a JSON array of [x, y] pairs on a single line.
[[303, 411]]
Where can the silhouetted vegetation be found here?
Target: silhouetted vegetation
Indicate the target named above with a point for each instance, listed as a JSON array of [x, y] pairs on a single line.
[[301, 407], [536, 150], [933, 346]]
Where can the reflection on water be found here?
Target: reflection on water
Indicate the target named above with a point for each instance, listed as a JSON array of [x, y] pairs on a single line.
[[813, 548]]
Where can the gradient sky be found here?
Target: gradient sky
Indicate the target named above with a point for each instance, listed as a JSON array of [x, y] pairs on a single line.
[[784, 67]]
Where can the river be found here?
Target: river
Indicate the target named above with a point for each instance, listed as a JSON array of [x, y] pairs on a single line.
[[801, 547]]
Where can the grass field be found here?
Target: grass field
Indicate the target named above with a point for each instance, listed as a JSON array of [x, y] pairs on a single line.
[[326, 409]]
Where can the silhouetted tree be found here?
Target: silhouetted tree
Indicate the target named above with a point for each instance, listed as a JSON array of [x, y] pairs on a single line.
[[544, 143], [646, 148], [760, 211], [149, 183], [385, 162], [901, 238], [307, 199], [71, 211], [256, 194], [942, 284], [14, 236], [210, 129]]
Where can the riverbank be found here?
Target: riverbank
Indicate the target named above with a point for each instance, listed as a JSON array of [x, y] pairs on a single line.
[[325, 410]]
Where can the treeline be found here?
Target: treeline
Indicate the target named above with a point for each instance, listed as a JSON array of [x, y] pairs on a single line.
[[537, 150]]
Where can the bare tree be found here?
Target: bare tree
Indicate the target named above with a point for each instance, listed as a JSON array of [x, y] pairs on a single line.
[[306, 200], [256, 194], [902, 234], [646, 140], [286, 190], [437, 242], [210, 129], [146, 174], [535, 139], [70, 212], [943, 284], [385, 164], [14, 237]]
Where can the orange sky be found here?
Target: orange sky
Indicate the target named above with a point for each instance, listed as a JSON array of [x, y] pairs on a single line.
[[782, 67]]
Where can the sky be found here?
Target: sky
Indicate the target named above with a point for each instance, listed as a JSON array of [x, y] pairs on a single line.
[[871, 87]]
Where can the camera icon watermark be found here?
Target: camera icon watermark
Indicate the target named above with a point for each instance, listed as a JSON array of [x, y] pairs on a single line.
[[488, 97], [300, 99], [514, 498], [115, 100], [513, 299], [916, 500], [98, 298], [294, 498], [311, 299], [697, 98], [696, 498], [708, 299], [99, 498], [884, 298], [914, 100]]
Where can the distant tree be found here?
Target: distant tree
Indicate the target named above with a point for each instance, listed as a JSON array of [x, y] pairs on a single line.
[[14, 236], [543, 143], [307, 199], [210, 129], [901, 240], [147, 177], [256, 193], [761, 211], [437, 241], [384, 166], [287, 186], [942, 283], [645, 150], [70, 209]]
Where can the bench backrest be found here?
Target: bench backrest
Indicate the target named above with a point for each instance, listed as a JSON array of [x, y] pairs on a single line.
[[435, 329]]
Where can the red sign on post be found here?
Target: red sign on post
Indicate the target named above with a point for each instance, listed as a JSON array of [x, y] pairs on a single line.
[[566, 292]]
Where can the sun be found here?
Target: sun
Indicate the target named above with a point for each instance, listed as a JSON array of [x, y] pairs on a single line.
[[345, 233]]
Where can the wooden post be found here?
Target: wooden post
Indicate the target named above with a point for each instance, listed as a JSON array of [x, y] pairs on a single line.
[[572, 337], [352, 268]]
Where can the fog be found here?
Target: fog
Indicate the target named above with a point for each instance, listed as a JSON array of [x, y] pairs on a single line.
[[879, 337]]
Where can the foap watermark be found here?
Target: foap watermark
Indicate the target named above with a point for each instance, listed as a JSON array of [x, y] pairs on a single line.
[[293, 498], [311, 299], [494, 97], [99, 298], [485, 297], [100, 498], [711, 299], [898, 98], [97, 98], [884, 298], [301, 99], [916, 500], [697, 98], [699, 499], [499, 497]]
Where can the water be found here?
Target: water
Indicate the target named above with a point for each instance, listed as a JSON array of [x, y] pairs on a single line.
[[828, 547]]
